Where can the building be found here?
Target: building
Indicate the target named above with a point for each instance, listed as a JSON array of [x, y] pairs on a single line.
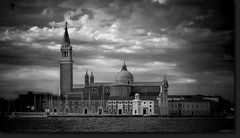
[[101, 98], [122, 97]]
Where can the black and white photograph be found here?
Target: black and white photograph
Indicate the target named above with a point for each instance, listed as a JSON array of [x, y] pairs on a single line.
[[117, 66]]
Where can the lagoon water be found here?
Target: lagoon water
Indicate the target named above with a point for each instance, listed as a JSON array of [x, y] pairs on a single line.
[[118, 124]]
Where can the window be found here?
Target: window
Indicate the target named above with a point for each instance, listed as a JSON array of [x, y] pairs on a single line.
[[150, 105], [188, 106], [114, 102], [150, 110], [135, 111], [126, 102], [150, 102], [120, 102], [126, 110], [144, 102]]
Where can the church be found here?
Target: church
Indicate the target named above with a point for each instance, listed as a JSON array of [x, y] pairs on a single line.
[[122, 97]]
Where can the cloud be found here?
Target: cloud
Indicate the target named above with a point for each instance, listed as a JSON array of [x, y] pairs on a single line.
[[180, 39]]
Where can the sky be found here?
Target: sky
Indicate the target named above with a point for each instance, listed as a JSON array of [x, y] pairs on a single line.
[[189, 41]]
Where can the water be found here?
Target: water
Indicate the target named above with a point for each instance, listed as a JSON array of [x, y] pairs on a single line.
[[118, 124]]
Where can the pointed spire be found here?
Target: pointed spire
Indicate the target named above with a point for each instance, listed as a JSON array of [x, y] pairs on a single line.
[[124, 67], [91, 78], [66, 39]]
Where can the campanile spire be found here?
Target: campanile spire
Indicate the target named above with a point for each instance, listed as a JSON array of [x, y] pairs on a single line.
[[66, 39]]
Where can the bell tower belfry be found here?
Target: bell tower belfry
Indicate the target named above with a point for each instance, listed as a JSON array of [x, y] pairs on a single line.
[[66, 65]]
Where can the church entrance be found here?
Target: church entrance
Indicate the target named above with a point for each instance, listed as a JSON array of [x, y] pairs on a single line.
[[144, 111], [100, 111], [85, 111], [119, 111]]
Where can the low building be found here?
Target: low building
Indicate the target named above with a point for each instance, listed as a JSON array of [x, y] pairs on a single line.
[[189, 107], [142, 107]]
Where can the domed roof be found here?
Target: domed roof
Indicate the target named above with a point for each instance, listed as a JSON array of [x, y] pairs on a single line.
[[124, 76]]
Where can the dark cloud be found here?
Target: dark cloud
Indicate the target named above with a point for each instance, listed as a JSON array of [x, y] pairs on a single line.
[[194, 39]]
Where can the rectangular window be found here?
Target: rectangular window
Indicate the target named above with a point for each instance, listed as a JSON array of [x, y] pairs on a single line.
[[150, 105], [150, 110], [135, 111]]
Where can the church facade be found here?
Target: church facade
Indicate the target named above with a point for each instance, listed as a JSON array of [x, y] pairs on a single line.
[[122, 97]]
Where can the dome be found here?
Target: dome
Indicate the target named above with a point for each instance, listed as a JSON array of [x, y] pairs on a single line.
[[124, 76]]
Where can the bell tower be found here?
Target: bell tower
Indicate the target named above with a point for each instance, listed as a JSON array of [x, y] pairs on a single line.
[[66, 65], [91, 78], [86, 78]]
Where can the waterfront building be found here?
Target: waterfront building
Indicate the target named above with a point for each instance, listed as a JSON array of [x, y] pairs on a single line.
[[189, 107]]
